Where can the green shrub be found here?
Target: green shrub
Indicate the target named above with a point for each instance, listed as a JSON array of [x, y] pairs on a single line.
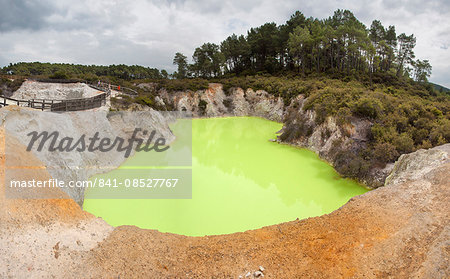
[[173, 85], [404, 143], [321, 113], [202, 106], [368, 107], [144, 100], [228, 103], [440, 134], [385, 152], [419, 135], [343, 116], [351, 165], [59, 75]]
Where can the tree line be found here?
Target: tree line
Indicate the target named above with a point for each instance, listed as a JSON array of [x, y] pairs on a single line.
[[339, 43], [63, 70]]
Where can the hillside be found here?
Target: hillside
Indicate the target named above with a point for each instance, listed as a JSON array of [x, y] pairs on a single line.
[[440, 88], [363, 126]]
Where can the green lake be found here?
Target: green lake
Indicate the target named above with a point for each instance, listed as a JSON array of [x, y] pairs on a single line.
[[240, 181]]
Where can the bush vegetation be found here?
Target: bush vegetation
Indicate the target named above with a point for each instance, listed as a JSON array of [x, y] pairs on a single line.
[[405, 117], [8, 86]]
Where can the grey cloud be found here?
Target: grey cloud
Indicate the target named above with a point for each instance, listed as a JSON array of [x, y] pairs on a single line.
[[57, 15], [418, 6], [149, 32], [23, 14], [207, 6]]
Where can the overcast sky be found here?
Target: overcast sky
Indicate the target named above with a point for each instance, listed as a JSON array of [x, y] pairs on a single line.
[[149, 32]]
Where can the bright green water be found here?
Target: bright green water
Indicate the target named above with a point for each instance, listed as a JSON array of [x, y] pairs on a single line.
[[240, 181]]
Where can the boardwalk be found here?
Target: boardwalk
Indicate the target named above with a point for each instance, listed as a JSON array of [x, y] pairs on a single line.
[[70, 104]]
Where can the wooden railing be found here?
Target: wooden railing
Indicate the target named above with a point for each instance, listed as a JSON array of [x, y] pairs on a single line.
[[70, 104], [33, 103], [80, 104], [121, 89], [58, 105]]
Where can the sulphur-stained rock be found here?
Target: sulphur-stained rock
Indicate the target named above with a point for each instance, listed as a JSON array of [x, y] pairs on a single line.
[[214, 96], [214, 102], [270, 108], [278, 110], [323, 137], [42, 237], [378, 175], [240, 104], [187, 102], [159, 101]]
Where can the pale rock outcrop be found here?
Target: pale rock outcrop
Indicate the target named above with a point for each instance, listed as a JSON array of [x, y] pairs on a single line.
[[235, 102], [55, 91], [241, 107], [415, 165], [214, 97], [78, 166]]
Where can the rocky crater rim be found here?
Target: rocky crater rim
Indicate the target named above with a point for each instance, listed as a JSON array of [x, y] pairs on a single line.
[[214, 102], [409, 214], [408, 217]]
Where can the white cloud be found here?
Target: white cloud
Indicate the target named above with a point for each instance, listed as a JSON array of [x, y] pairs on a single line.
[[149, 32]]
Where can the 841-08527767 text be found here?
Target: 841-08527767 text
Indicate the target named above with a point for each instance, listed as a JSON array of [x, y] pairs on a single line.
[[137, 182], [98, 183]]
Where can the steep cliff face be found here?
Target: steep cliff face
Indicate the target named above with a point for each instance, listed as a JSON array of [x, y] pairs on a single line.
[[214, 102], [335, 139]]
